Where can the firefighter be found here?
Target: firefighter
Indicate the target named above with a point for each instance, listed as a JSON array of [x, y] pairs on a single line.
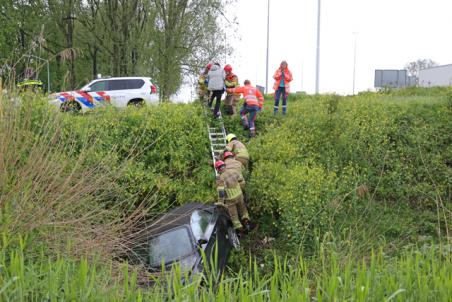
[[253, 104], [233, 164], [230, 195], [203, 92], [238, 148], [231, 81]]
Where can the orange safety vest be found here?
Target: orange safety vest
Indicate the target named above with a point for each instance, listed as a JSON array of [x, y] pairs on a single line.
[[252, 96]]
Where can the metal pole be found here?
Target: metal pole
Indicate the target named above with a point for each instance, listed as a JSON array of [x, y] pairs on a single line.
[[354, 62], [48, 68], [301, 70], [318, 51], [268, 39], [48, 77], [225, 50]]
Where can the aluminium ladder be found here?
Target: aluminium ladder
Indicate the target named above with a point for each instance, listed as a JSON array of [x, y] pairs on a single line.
[[217, 138]]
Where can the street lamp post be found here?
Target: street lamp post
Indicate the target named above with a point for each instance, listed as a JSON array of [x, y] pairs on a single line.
[[48, 70], [268, 39], [318, 50], [354, 61]]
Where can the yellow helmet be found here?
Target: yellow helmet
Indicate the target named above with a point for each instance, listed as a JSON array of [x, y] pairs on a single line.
[[230, 137]]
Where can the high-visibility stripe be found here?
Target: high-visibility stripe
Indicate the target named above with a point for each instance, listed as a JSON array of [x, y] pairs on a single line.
[[104, 95], [250, 102], [233, 192], [85, 102], [67, 96], [87, 96]]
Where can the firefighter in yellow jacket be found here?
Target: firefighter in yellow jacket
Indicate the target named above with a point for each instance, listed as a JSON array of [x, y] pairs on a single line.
[[203, 92], [231, 81], [233, 164], [238, 148], [230, 194]]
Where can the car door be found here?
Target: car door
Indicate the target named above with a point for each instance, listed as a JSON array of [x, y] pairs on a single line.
[[97, 94], [135, 89], [117, 90], [219, 247]]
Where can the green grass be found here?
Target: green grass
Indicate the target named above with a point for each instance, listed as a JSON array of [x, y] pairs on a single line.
[[417, 275]]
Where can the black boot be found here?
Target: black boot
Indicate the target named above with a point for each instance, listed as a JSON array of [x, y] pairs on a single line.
[[248, 225]]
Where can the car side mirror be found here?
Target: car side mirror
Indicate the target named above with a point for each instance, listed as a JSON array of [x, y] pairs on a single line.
[[87, 89], [202, 241]]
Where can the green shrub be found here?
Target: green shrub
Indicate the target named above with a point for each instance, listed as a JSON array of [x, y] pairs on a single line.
[[308, 166]]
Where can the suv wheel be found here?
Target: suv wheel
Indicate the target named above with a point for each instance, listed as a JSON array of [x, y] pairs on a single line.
[[70, 106], [138, 103]]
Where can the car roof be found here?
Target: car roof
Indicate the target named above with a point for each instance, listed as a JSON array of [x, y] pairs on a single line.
[[177, 217]]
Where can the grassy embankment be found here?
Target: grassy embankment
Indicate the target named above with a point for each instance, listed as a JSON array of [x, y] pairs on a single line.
[[334, 181]]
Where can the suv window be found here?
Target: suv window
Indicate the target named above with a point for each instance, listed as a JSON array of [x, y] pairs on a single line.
[[171, 246], [201, 224], [135, 84], [98, 86], [117, 85]]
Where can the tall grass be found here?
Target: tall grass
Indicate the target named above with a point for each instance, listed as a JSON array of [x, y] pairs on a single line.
[[51, 197], [424, 275]]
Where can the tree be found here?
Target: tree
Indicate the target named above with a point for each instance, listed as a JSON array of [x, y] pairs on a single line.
[[414, 67], [165, 39], [186, 35]]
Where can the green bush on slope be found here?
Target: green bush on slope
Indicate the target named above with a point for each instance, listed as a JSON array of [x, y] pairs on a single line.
[[166, 148], [331, 155]]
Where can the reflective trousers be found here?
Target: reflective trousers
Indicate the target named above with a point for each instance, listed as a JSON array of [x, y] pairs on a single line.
[[252, 110], [237, 209], [278, 93]]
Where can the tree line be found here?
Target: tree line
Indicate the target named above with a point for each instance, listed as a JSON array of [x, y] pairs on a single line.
[[163, 39]]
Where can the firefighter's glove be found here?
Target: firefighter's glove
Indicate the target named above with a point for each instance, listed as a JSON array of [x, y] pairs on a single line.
[[220, 204]]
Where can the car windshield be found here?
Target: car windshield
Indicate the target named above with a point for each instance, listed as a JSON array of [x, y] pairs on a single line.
[[170, 246], [201, 225]]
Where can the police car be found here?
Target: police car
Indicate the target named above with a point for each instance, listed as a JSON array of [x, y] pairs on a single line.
[[119, 92]]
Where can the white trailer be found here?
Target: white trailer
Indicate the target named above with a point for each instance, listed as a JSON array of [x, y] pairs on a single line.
[[436, 76]]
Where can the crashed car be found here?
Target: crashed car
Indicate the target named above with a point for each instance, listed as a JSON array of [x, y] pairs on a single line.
[[184, 234], [119, 92]]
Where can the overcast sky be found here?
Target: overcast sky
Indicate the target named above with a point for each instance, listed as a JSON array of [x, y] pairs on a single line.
[[390, 33]]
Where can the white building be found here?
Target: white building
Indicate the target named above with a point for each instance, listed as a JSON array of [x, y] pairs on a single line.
[[436, 76]]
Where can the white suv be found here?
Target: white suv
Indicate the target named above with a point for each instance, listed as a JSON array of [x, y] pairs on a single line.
[[119, 92]]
